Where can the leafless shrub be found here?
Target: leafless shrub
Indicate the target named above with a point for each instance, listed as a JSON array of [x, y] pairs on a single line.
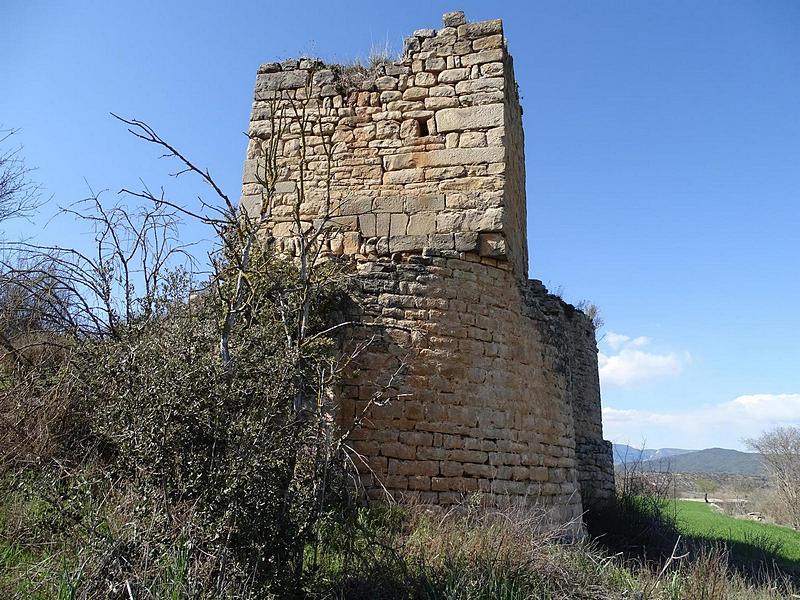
[[591, 310], [19, 195], [381, 54], [780, 449]]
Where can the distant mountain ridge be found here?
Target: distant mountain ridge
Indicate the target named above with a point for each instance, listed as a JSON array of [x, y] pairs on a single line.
[[710, 460], [628, 454]]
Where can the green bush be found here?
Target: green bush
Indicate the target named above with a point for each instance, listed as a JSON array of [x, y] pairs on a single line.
[[177, 469]]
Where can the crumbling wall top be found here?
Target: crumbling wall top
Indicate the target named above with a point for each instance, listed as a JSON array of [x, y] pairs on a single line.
[[407, 156]]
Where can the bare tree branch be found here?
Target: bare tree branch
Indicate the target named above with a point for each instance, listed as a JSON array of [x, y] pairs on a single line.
[[19, 196]]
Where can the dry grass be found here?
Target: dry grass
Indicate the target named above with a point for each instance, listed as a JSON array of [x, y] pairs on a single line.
[[390, 553], [471, 554]]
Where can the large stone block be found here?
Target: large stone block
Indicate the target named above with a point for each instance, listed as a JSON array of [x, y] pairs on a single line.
[[388, 204], [403, 176], [415, 93], [454, 75], [437, 103], [398, 224], [492, 244], [484, 84], [424, 202], [251, 167], [386, 83], [396, 162], [488, 42], [367, 225], [422, 223], [489, 219], [441, 241], [454, 19], [473, 117], [407, 243], [460, 156], [484, 56], [355, 206], [282, 80], [466, 241], [480, 29]]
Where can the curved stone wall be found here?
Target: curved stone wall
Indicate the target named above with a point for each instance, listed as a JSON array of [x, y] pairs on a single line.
[[488, 407]]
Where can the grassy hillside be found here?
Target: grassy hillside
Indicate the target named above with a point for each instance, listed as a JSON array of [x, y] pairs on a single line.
[[710, 460], [700, 520]]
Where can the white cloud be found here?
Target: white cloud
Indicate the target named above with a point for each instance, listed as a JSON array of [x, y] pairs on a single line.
[[617, 340], [725, 424], [628, 364]]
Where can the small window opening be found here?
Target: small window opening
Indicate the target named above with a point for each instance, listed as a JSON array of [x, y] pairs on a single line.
[[422, 128]]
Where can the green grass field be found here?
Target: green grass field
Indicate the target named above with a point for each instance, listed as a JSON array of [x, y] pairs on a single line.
[[699, 520]]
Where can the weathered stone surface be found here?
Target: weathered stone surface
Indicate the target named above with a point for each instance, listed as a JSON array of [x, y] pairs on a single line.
[[480, 29], [367, 224], [398, 224], [442, 241], [351, 242], [454, 19], [422, 223], [443, 91], [415, 93], [424, 202], [453, 75], [439, 173], [424, 79], [479, 85], [386, 83], [406, 243], [491, 244], [403, 176], [460, 156], [472, 139], [355, 206], [398, 161], [251, 167], [481, 98], [390, 204], [492, 41], [466, 241], [439, 102], [269, 67], [474, 117], [484, 56], [324, 77], [435, 64], [282, 80], [494, 69]]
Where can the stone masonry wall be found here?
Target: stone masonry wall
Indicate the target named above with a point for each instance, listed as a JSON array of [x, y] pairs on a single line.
[[574, 332], [487, 411], [420, 166]]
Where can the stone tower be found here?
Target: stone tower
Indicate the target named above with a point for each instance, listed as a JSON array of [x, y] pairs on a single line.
[[419, 164]]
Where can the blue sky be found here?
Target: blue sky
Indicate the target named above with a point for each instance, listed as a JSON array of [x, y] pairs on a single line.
[[662, 149]]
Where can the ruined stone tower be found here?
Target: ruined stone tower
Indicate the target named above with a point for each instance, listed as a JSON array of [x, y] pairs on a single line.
[[418, 166]]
